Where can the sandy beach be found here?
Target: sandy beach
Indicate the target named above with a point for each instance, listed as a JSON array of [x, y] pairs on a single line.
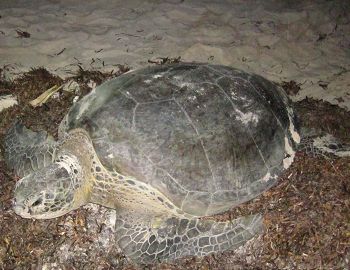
[[303, 41]]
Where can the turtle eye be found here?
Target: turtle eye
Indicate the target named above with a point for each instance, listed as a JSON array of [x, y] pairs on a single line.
[[37, 202]]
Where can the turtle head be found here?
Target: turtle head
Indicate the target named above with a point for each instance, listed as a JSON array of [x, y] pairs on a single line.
[[53, 190]]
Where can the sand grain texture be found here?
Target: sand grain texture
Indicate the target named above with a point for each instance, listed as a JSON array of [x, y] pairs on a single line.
[[304, 41]]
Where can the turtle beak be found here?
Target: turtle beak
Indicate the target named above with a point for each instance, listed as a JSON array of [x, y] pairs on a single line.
[[24, 209]]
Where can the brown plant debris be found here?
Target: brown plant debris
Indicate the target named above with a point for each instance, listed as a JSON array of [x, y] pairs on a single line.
[[165, 60], [324, 116], [292, 88]]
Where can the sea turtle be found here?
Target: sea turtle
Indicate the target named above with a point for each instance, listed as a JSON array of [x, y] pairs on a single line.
[[164, 146]]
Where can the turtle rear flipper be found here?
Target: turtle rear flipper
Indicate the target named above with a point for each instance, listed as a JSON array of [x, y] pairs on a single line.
[[324, 145], [27, 151], [148, 239]]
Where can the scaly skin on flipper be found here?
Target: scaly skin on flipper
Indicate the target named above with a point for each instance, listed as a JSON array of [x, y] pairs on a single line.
[[27, 151], [147, 239], [150, 228]]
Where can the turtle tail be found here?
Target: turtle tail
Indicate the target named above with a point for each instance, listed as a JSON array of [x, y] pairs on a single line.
[[27, 151], [175, 237]]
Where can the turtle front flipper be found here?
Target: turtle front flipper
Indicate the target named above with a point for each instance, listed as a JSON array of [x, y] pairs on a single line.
[[151, 228], [27, 151], [147, 239]]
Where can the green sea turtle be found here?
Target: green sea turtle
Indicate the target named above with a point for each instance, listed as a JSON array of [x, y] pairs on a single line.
[[164, 146]]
